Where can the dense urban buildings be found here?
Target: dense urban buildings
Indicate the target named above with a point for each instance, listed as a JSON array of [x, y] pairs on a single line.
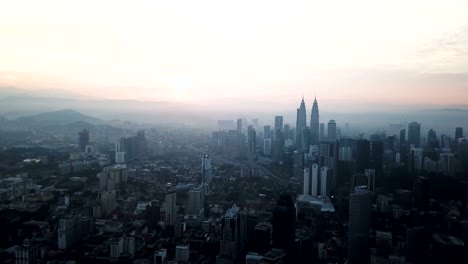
[[248, 191]]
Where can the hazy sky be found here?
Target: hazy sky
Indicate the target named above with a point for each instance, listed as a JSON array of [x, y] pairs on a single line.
[[351, 52]]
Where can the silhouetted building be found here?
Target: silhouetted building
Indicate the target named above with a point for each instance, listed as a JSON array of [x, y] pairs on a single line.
[[376, 159], [421, 193], [277, 148], [362, 155], [314, 124], [458, 133], [83, 139], [262, 237], [152, 214], [331, 130], [414, 134], [432, 139], [284, 223], [252, 140], [359, 218]]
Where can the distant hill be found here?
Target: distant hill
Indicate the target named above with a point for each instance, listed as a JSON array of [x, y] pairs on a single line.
[[61, 117]]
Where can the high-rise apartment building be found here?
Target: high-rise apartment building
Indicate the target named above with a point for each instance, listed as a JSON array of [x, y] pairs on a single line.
[[171, 213]]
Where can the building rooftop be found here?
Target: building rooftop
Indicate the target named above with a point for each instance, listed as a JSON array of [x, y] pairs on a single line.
[[324, 203]]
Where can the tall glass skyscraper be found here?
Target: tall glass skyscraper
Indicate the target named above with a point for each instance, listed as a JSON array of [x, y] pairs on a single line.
[[314, 124], [301, 125]]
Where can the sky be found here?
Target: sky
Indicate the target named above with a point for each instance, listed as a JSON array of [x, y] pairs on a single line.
[[351, 54]]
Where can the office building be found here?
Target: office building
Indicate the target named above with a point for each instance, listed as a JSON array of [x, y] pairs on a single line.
[[195, 201], [171, 213], [267, 134], [322, 132], [252, 140], [134, 148], [160, 256], [182, 253], [370, 176], [362, 155], [233, 233], [129, 246], [359, 217], [301, 125], [284, 223], [329, 151], [83, 140], [314, 124], [458, 133], [278, 124], [206, 173], [262, 237], [267, 146], [120, 150], [414, 134], [152, 213], [27, 254], [239, 126], [331, 130], [432, 141], [112, 177], [108, 202], [298, 164]]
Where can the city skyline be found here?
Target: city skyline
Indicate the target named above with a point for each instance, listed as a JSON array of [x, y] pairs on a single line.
[[393, 53]]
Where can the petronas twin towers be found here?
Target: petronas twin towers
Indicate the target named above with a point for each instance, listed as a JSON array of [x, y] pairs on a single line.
[[306, 136]]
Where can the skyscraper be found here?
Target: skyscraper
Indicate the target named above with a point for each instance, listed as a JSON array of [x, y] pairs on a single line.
[[306, 188], [314, 124], [322, 131], [301, 125], [267, 132], [314, 180], [239, 125], [206, 172], [278, 124], [362, 155], [195, 201], [284, 223], [323, 181], [458, 133], [233, 233], [83, 139], [171, 214], [331, 130], [358, 235], [414, 134], [252, 140], [432, 139]]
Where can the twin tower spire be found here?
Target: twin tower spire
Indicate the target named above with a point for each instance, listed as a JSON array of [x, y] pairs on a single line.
[[307, 135]]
